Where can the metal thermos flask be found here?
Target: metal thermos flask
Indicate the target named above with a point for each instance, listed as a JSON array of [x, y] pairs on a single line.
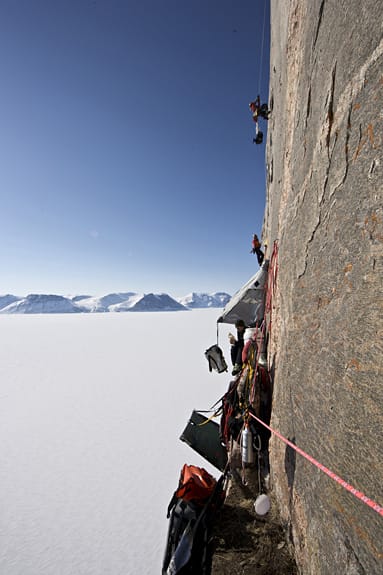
[[247, 445]]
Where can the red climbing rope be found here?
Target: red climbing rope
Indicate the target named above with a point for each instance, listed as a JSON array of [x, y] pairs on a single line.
[[331, 474], [271, 283], [270, 290]]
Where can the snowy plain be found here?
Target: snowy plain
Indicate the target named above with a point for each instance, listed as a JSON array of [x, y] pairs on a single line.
[[91, 410]]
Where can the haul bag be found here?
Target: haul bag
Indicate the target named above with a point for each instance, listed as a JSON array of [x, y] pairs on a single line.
[[203, 436], [191, 511]]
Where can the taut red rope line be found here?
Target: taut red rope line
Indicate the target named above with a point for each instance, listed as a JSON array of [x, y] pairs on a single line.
[[271, 282], [366, 500]]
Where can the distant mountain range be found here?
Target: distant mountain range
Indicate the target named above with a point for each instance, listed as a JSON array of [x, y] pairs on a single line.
[[113, 302], [198, 300]]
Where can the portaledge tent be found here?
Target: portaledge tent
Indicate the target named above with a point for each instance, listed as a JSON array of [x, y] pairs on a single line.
[[248, 303]]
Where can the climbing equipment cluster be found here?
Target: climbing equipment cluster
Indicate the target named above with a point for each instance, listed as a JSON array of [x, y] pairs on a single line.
[[197, 499]]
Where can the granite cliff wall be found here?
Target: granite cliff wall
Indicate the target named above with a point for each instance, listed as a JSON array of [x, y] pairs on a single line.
[[325, 208]]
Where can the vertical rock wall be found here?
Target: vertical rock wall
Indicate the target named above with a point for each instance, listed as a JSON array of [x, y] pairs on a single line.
[[325, 207]]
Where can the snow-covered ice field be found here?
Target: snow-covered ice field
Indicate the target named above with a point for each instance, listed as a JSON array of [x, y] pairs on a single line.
[[91, 409]]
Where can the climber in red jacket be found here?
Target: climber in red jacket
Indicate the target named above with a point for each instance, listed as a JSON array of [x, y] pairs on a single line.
[[256, 249]]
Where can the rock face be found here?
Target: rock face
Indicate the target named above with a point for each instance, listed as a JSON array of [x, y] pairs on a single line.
[[325, 208]]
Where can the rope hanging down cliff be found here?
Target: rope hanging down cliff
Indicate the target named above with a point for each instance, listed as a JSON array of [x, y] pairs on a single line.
[[262, 45]]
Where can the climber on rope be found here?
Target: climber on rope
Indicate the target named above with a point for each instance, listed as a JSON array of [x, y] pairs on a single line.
[[259, 110], [256, 249]]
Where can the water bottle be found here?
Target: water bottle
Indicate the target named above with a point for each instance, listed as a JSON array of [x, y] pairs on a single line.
[[247, 445]]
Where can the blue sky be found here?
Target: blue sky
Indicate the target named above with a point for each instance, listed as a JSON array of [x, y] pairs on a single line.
[[127, 161]]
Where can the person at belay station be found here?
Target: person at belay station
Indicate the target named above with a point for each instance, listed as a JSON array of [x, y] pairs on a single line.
[[259, 110], [256, 249], [237, 344]]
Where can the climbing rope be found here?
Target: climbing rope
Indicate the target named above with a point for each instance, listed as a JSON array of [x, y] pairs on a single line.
[[258, 450], [331, 474], [262, 44], [271, 283]]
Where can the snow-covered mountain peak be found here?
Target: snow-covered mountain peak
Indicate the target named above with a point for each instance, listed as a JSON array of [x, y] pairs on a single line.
[[113, 302], [149, 302], [201, 300], [40, 303]]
